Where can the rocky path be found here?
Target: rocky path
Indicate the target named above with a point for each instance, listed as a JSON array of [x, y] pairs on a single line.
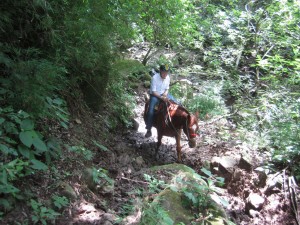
[[255, 194]]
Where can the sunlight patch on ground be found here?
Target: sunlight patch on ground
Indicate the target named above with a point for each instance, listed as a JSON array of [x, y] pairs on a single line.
[[86, 212]]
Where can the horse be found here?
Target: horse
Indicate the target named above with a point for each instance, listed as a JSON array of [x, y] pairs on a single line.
[[170, 119]]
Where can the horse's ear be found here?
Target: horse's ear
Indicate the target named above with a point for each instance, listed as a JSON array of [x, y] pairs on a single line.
[[197, 114]]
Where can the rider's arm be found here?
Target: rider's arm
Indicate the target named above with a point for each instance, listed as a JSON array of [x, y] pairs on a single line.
[[162, 97]]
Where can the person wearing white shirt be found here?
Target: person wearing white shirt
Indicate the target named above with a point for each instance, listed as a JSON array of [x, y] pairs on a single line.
[[159, 90]]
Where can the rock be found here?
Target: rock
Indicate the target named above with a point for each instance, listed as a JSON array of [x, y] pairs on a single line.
[[78, 121], [262, 176], [172, 200], [107, 189], [140, 161], [135, 124], [135, 217], [254, 201], [237, 175], [218, 221], [67, 191], [273, 184], [124, 160], [253, 213], [172, 203], [107, 219], [245, 163], [87, 178], [107, 223], [226, 165]]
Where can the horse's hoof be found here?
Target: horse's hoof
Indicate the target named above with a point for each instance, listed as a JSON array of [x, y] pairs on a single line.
[[179, 161]]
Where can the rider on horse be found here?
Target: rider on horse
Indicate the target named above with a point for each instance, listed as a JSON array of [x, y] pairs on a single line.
[[159, 90]]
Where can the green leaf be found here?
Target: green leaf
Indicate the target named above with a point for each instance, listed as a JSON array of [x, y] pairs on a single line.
[[6, 150], [174, 188], [26, 138], [27, 124], [64, 125], [8, 189], [58, 101], [9, 140], [5, 203], [3, 177], [207, 172], [3, 148], [190, 196], [39, 145], [2, 120], [38, 165], [102, 147], [26, 152]]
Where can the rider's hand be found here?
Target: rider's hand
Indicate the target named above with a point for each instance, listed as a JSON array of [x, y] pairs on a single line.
[[164, 98]]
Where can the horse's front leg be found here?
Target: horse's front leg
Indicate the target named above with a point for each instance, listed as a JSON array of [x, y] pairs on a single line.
[[159, 138], [178, 146]]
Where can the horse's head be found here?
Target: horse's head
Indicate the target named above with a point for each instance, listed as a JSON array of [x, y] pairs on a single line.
[[192, 129]]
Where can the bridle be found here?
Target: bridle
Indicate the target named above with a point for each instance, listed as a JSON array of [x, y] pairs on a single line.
[[190, 136]]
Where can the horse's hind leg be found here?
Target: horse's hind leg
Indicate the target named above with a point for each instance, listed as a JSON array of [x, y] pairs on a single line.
[[178, 147]]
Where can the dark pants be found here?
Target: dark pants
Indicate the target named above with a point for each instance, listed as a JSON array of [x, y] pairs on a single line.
[[152, 103]]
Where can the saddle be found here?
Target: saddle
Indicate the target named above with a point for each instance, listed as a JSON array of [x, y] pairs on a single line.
[[168, 109]]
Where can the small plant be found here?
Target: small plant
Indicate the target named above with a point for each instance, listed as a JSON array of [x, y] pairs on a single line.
[[100, 146], [19, 147], [154, 184], [196, 194], [202, 104], [86, 153], [100, 176], [127, 209], [41, 213], [58, 109], [60, 201], [155, 215]]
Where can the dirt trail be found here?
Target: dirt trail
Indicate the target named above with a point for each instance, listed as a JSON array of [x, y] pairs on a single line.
[[209, 146]]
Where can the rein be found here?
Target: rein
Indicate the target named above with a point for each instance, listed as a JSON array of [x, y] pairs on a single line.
[[186, 122], [166, 122]]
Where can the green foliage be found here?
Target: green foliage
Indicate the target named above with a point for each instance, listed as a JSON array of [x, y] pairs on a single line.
[[203, 105], [82, 151], [41, 213], [197, 194], [100, 146], [256, 44], [60, 201], [57, 109], [21, 147], [155, 215], [100, 176], [208, 102], [126, 209], [154, 184], [27, 83], [120, 89]]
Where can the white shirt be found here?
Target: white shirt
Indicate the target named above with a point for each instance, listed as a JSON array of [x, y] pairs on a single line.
[[158, 84]]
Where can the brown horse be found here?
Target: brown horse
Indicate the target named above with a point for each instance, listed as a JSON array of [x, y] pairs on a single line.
[[170, 119]]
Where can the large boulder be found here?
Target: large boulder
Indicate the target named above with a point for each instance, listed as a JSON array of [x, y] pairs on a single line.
[[225, 166], [174, 205]]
